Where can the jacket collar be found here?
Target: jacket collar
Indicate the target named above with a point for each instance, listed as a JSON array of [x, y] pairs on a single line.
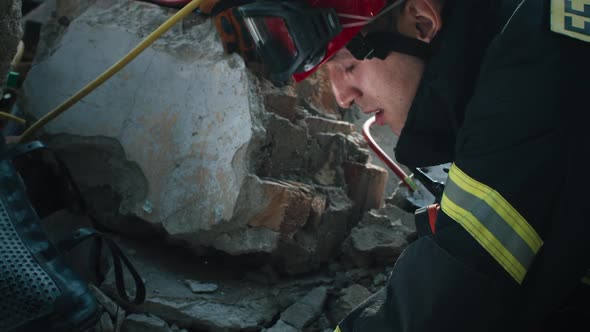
[[449, 79]]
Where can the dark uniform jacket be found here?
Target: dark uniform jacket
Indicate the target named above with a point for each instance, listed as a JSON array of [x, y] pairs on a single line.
[[505, 99]]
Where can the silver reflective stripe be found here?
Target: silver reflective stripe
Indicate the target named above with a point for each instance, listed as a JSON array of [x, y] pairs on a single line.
[[492, 221]]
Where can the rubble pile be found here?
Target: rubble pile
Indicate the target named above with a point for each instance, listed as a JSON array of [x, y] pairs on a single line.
[[244, 207], [186, 142]]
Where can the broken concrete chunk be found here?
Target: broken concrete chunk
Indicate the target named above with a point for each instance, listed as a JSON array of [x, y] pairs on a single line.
[[380, 237], [349, 298], [175, 130], [317, 242], [380, 280], [281, 326], [119, 320], [244, 241], [144, 323], [315, 92], [178, 143], [109, 305], [284, 206], [175, 328], [323, 322], [327, 155], [286, 147], [317, 124], [105, 324], [307, 309], [199, 287], [366, 185], [282, 105], [237, 305]]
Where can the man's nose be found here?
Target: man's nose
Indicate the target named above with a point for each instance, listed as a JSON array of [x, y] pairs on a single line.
[[344, 91]]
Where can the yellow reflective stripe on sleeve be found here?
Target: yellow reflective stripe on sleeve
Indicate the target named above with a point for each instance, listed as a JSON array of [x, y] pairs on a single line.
[[492, 222], [500, 205], [337, 329], [485, 238]]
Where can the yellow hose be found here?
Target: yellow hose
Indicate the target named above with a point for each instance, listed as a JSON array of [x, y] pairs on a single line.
[[189, 8], [20, 51], [8, 116]]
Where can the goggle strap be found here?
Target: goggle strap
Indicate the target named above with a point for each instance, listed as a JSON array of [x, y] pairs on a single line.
[[356, 17], [355, 24], [381, 44]]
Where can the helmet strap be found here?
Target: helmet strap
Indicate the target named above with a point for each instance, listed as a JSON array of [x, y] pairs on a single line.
[[381, 44]]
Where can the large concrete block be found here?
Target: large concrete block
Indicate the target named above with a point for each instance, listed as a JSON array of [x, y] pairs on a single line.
[[181, 110]]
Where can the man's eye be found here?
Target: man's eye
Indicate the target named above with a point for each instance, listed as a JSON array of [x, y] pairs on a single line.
[[350, 68]]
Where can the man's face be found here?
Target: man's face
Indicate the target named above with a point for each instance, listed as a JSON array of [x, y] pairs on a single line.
[[385, 88]]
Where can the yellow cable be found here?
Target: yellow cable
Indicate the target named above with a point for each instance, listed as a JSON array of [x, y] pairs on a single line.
[[189, 8], [8, 116], [20, 51]]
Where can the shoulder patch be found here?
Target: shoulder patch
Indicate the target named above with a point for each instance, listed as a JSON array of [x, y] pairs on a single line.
[[571, 18]]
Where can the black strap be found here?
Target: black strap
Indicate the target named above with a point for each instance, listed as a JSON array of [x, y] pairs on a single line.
[[381, 44], [82, 234], [118, 257], [68, 190]]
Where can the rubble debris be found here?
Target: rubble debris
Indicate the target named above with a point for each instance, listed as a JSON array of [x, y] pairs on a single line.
[[307, 309], [349, 298], [200, 287], [144, 323], [109, 305], [380, 237], [214, 163], [105, 324], [212, 159], [281, 326]]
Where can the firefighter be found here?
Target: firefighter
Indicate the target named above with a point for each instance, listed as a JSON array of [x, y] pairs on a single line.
[[497, 87]]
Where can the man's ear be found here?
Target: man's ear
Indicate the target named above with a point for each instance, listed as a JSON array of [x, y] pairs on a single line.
[[420, 19]]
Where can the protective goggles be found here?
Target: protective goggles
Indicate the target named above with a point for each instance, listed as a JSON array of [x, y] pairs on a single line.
[[291, 36]]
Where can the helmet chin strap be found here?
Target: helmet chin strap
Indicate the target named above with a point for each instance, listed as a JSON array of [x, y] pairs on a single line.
[[380, 44]]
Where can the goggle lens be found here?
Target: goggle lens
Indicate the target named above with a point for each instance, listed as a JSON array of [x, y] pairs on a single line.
[[272, 32]]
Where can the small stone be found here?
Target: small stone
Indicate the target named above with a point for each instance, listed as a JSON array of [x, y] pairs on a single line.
[[281, 326], [106, 323], [199, 287], [111, 307], [306, 309], [119, 319], [144, 323], [380, 279], [147, 207]]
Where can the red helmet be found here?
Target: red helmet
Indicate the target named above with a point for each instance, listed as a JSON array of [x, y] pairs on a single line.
[[294, 37], [353, 15]]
